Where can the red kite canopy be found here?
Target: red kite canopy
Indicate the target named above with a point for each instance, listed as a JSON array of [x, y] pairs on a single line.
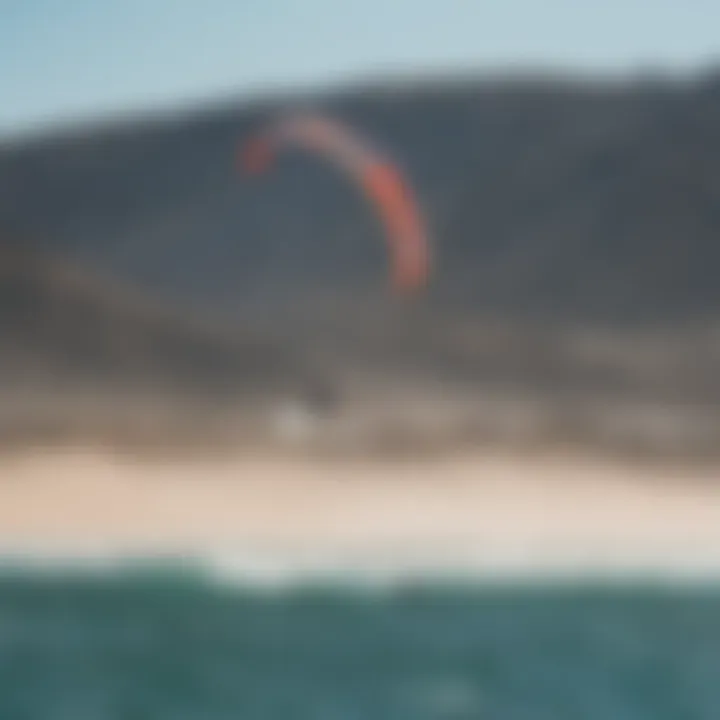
[[380, 179]]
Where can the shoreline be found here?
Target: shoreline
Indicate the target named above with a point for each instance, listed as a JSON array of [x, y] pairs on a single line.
[[482, 513]]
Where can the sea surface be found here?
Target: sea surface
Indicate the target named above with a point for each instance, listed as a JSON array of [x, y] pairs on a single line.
[[147, 643]]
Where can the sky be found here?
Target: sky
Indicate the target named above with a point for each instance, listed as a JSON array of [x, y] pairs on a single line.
[[67, 60]]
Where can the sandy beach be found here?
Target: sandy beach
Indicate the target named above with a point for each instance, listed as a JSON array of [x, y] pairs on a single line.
[[484, 513]]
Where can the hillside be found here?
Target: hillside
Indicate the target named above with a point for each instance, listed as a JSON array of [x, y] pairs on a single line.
[[554, 197], [575, 226], [78, 346]]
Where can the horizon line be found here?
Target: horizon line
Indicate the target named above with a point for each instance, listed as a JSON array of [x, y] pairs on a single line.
[[69, 125]]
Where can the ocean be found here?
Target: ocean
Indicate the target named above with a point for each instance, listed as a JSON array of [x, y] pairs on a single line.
[[148, 644]]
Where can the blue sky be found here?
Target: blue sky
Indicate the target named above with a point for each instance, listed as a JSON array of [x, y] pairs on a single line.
[[80, 59]]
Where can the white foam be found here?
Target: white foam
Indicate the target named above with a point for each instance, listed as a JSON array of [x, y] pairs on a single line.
[[274, 569]]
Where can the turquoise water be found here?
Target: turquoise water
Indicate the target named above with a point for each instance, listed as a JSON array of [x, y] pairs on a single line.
[[141, 647]]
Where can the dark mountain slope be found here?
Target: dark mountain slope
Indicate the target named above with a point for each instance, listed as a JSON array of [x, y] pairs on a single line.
[[576, 228], [596, 202]]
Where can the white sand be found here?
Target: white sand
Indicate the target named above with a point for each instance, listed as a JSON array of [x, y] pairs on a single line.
[[485, 513]]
